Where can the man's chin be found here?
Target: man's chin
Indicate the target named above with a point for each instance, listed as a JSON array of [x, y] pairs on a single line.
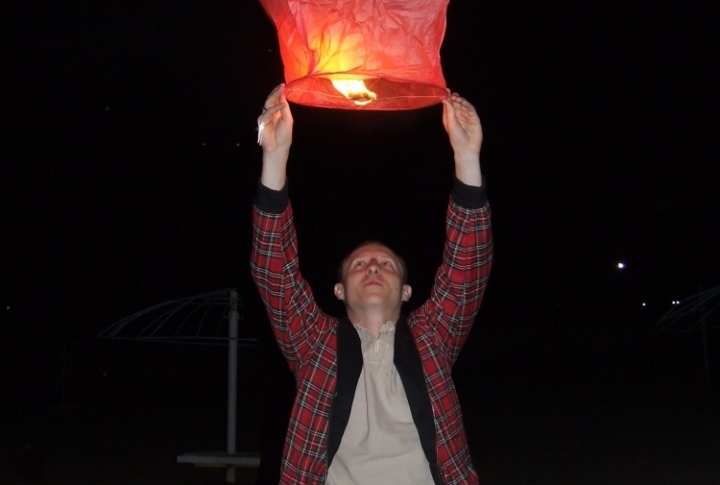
[[378, 301]]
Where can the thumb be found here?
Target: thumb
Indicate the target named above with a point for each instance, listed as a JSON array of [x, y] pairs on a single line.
[[448, 114]]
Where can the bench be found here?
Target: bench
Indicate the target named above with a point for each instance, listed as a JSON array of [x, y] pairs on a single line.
[[221, 459]]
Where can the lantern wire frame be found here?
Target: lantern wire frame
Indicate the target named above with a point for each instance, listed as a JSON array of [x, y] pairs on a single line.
[[694, 314], [207, 319], [393, 94]]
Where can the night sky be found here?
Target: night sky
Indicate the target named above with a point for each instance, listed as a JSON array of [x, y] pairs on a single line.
[[128, 167], [129, 163]]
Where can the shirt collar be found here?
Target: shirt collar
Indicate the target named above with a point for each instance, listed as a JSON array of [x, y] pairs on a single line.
[[385, 330]]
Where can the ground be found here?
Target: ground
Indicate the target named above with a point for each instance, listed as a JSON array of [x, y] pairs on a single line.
[[633, 416]]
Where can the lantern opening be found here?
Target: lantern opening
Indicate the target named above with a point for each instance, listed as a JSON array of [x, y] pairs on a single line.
[[355, 90], [383, 93]]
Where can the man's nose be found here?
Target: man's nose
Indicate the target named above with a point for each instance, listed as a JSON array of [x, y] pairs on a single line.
[[373, 268]]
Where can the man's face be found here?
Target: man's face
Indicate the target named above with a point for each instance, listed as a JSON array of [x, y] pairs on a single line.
[[372, 277]]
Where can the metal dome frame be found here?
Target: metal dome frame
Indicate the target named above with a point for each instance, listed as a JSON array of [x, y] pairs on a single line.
[[199, 320], [692, 314]]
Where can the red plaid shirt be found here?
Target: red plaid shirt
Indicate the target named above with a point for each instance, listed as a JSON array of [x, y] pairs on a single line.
[[307, 337]]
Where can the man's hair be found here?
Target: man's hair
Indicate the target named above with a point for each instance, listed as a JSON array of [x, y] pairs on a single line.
[[400, 261]]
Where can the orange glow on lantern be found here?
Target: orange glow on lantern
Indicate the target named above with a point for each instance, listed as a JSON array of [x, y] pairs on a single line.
[[358, 54]]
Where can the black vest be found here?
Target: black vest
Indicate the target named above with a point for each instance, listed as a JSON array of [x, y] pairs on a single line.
[[408, 364]]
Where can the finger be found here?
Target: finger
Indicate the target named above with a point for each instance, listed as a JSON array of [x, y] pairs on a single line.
[[457, 103], [285, 113], [448, 113], [470, 110], [274, 109], [277, 89], [274, 96], [267, 115], [448, 106], [465, 109]]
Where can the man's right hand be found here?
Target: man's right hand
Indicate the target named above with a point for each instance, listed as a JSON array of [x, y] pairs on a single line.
[[277, 124]]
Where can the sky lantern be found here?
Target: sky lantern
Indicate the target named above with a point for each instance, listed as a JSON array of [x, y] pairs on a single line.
[[361, 54]]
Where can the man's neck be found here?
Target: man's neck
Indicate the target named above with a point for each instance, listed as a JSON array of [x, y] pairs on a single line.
[[372, 321]]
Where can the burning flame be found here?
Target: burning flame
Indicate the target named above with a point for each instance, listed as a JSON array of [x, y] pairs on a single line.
[[355, 91]]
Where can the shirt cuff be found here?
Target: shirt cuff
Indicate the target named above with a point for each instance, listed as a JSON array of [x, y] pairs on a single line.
[[469, 196], [271, 201]]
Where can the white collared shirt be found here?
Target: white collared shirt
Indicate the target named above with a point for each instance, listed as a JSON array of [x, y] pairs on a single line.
[[381, 444]]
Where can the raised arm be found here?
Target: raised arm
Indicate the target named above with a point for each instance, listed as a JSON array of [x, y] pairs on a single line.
[[275, 125], [296, 320], [462, 277]]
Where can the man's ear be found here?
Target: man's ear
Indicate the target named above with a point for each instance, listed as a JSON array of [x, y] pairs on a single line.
[[406, 292], [339, 291]]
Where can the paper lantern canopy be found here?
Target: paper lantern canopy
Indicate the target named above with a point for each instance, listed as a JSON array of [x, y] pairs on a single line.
[[361, 54]]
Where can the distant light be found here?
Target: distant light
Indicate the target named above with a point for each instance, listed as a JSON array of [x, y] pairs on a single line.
[[7, 308], [644, 304], [621, 265]]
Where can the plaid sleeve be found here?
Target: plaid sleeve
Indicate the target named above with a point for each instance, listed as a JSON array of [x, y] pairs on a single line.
[[461, 279], [295, 317]]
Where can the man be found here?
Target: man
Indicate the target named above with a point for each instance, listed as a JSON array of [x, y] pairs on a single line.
[[375, 400]]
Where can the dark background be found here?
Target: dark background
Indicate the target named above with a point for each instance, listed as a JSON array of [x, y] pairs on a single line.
[[128, 167]]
